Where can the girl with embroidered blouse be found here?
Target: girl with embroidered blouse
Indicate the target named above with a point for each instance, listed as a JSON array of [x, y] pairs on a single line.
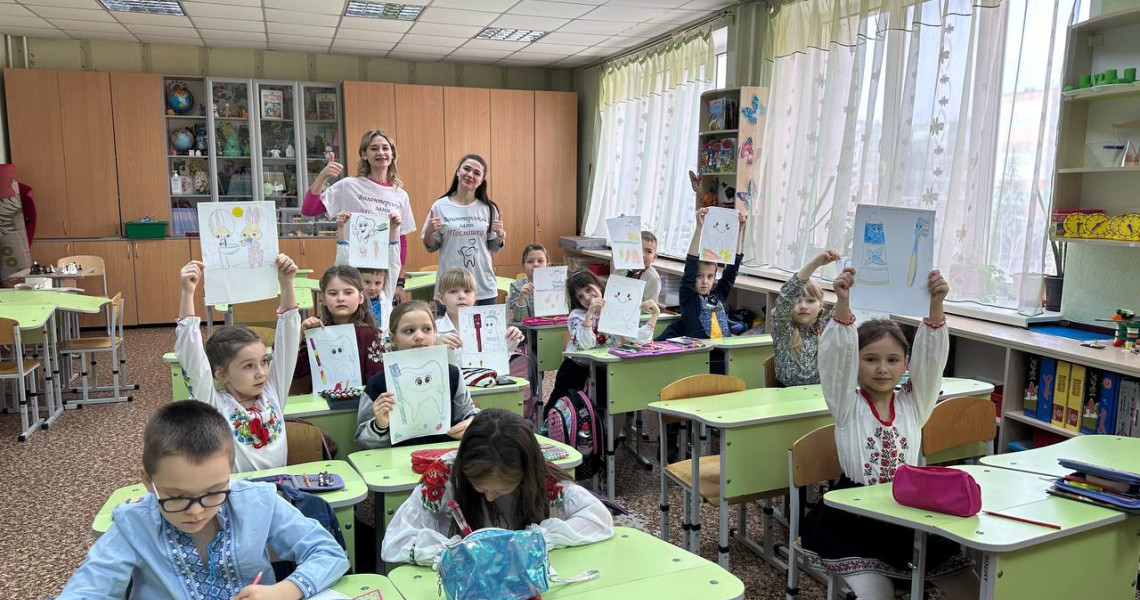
[[878, 428], [796, 323], [253, 384], [500, 479]]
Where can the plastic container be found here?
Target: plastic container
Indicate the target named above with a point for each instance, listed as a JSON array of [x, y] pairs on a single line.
[[137, 230]]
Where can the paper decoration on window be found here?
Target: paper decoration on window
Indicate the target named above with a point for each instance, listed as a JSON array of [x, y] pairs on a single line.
[[550, 291], [720, 235], [625, 242], [239, 248], [893, 254], [621, 314], [483, 330], [367, 241], [419, 379], [334, 359]]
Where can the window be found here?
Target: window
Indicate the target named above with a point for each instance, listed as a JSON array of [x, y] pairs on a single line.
[[720, 55]]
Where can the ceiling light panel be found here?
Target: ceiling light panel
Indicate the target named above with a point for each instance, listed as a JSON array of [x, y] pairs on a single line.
[[150, 7], [383, 10], [510, 35]]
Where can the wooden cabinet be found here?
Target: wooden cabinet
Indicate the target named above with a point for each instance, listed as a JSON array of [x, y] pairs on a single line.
[[88, 154], [156, 270], [47, 252], [419, 133], [555, 169], [367, 105], [119, 260], [318, 254], [140, 145], [467, 126], [36, 140], [512, 177], [294, 249]]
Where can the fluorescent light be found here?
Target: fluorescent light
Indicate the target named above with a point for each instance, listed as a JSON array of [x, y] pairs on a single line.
[[510, 35], [148, 7], [383, 10]]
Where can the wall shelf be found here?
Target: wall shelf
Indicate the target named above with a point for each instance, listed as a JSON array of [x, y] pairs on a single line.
[[1071, 170], [1028, 420], [719, 132], [1099, 242], [1104, 92]]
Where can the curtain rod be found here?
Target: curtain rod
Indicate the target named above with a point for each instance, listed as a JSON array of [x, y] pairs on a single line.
[[672, 35]]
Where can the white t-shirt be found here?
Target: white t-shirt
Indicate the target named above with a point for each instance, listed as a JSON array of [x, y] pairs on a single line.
[[465, 242], [363, 195]]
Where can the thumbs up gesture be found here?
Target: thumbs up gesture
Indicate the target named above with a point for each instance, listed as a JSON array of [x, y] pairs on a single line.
[[333, 169]]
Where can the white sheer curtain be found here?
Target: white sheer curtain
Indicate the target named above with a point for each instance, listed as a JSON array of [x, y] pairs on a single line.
[[648, 113], [943, 104]]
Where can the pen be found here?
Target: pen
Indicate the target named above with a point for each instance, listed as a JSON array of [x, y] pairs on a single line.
[[1013, 518], [257, 580], [457, 514]]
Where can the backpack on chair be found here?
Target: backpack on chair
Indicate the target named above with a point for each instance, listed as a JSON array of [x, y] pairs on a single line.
[[573, 421]]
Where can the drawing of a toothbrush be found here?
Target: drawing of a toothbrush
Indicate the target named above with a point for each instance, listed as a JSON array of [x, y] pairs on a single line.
[[921, 229], [317, 357], [395, 384], [478, 322]]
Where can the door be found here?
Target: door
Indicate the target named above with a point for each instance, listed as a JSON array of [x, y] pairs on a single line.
[[140, 146], [512, 176], [419, 132], [89, 154], [367, 105], [157, 267], [555, 169], [118, 256], [36, 141]]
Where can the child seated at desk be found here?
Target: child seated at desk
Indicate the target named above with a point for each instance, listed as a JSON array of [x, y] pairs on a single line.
[[457, 290], [412, 326], [796, 323], [520, 299], [254, 385], [198, 534], [876, 430], [499, 479], [647, 274]]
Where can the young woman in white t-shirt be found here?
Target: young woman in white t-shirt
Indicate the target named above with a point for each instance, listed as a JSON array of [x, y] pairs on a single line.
[[376, 189], [466, 228]]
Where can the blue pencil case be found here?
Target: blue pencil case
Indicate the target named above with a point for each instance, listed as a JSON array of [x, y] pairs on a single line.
[[1109, 498], [1107, 473]]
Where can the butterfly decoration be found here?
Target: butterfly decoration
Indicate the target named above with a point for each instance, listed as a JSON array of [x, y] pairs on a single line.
[[757, 109], [747, 154], [746, 197], [695, 180]]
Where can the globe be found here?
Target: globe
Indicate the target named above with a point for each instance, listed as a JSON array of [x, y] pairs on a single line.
[[181, 139], [180, 100]]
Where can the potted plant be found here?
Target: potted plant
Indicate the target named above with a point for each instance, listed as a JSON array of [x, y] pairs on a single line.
[[1055, 283]]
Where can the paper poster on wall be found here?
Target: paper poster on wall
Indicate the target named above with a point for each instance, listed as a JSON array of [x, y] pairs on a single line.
[[367, 241], [625, 242], [719, 235], [892, 254], [419, 379], [550, 291], [334, 359], [239, 248], [483, 330], [621, 314]]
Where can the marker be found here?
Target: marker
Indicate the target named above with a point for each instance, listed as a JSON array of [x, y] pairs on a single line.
[[257, 580], [457, 514], [1030, 521]]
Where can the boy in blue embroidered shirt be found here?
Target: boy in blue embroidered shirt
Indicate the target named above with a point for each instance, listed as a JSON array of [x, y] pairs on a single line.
[[199, 536], [702, 304]]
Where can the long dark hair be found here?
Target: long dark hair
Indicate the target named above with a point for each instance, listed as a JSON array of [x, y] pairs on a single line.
[[351, 276], [877, 329], [500, 444], [580, 280], [480, 192]]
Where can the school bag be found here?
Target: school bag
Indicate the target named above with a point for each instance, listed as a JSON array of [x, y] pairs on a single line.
[[573, 421], [500, 564]]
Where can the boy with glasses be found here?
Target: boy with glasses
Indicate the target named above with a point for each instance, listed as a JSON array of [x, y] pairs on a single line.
[[198, 535]]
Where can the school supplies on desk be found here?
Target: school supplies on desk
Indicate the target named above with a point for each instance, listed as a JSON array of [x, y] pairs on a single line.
[[1112, 488], [422, 459], [343, 398], [558, 320], [656, 348], [306, 482]]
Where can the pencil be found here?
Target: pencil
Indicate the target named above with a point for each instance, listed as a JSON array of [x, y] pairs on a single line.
[[257, 580], [1023, 520]]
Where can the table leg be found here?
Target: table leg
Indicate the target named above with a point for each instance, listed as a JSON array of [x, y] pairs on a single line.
[[532, 357], [344, 515], [378, 524], [663, 454], [52, 388], [694, 495], [918, 565]]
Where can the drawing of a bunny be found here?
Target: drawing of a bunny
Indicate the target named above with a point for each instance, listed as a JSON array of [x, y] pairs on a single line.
[[222, 226], [251, 237]]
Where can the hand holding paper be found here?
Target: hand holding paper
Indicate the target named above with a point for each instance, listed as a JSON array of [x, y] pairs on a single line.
[[621, 312]]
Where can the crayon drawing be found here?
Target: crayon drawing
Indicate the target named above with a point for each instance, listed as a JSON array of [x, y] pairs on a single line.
[[550, 291], [625, 242], [239, 246], [892, 255], [367, 241], [719, 235], [621, 314], [483, 330], [333, 357], [419, 379]]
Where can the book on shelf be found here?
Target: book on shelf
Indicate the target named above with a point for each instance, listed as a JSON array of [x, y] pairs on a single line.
[[1076, 397], [716, 114], [1106, 403], [1032, 375], [1126, 405], [1088, 409], [1060, 393], [1045, 388]]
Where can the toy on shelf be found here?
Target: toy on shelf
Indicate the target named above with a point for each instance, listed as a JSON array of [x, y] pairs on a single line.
[[1095, 224], [718, 156], [1127, 328]]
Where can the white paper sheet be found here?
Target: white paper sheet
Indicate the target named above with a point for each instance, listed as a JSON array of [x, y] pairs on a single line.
[[892, 254], [550, 291], [367, 241], [625, 242], [720, 234], [483, 330], [331, 595], [334, 359], [239, 248], [621, 314], [418, 378]]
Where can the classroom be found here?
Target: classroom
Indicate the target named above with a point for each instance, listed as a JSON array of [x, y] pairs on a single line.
[[693, 299]]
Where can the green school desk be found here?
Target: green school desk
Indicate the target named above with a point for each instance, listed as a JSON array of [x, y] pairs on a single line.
[[355, 585], [304, 283], [342, 500], [632, 384], [388, 473], [632, 564], [36, 326], [1092, 555], [420, 286], [757, 427], [508, 396], [1110, 451], [744, 357]]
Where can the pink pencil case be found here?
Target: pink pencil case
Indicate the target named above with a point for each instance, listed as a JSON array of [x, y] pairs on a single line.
[[558, 320], [939, 489]]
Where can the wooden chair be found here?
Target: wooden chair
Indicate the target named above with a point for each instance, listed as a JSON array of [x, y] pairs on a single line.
[[93, 266], [260, 312], [112, 343], [959, 428], [304, 442], [812, 459], [770, 373], [18, 369]]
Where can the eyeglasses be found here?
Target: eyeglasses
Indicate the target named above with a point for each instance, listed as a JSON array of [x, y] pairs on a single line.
[[177, 504]]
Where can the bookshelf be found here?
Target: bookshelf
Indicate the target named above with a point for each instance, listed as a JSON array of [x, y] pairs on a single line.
[[729, 142]]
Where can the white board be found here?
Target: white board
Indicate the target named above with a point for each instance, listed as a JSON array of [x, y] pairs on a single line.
[[239, 248], [625, 242], [419, 379], [368, 241], [621, 314], [892, 254], [334, 359], [720, 235], [550, 292], [483, 330]]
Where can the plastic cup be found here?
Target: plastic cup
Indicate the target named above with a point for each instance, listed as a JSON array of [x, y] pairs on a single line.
[[1129, 75], [1086, 81]]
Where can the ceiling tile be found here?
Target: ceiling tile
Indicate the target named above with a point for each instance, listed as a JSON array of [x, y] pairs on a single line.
[[675, 18], [522, 62], [256, 3], [228, 25], [14, 10], [594, 27], [242, 36], [413, 56], [537, 56], [221, 11], [167, 40], [287, 16], [481, 54], [512, 21], [298, 48], [309, 30], [374, 24], [157, 30], [80, 34], [620, 41], [478, 60], [364, 45], [560, 49], [303, 40], [646, 30], [433, 40], [361, 34], [88, 4], [30, 31], [621, 13], [68, 24], [233, 44], [574, 39], [459, 17], [434, 51], [488, 5], [706, 4], [598, 52], [74, 14], [573, 61], [462, 31], [324, 7], [358, 51], [549, 9], [144, 19], [25, 22], [494, 45], [654, 4]]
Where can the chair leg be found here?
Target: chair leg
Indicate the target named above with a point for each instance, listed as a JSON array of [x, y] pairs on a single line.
[[722, 535], [663, 452], [25, 422], [115, 369]]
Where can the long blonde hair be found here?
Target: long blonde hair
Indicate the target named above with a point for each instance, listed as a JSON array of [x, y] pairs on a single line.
[[812, 289], [362, 167]]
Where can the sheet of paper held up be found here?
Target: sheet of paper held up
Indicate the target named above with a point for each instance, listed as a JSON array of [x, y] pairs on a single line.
[[550, 291], [621, 314], [334, 359], [239, 248], [419, 379], [625, 242], [483, 330], [720, 234], [367, 241], [892, 254]]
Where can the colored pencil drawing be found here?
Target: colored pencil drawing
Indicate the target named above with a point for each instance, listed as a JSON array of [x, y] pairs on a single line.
[[239, 244], [892, 254], [719, 235], [483, 331], [550, 291], [621, 314], [419, 379], [334, 359], [625, 242], [367, 241]]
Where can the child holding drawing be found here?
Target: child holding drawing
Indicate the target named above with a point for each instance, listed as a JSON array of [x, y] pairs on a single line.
[[702, 303], [520, 300], [648, 274], [796, 323], [457, 290], [375, 279], [254, 385]]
